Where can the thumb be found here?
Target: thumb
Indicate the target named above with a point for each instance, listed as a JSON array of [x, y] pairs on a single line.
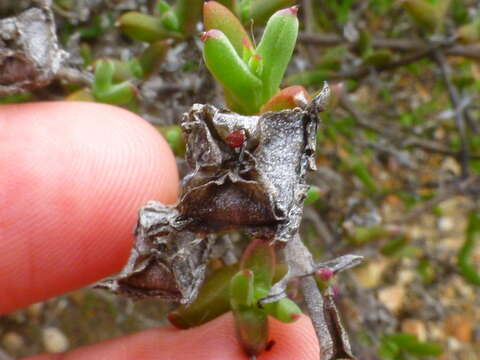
[[214, 340]]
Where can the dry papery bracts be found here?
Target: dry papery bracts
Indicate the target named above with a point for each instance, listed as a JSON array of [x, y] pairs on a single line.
[[30, 55], [255, 184]]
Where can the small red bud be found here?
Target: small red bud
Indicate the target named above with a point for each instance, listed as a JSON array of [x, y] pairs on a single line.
[[325, 274], [236, 138]]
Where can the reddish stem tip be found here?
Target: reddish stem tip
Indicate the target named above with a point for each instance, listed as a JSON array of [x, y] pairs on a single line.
[[335, 290], [325, 274], [292, 295]]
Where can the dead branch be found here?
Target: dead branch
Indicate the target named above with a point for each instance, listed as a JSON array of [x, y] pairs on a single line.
[[400, 45], [460, 114]]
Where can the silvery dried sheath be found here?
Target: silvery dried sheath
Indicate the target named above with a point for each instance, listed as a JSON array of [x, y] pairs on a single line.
[[245, 173], [29, 52]]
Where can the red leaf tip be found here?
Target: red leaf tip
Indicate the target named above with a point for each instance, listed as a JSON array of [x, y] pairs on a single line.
[[214, 33], [247, 43], [295, 317], [176, 320], [247, 272], [293, 10], [290, 11]]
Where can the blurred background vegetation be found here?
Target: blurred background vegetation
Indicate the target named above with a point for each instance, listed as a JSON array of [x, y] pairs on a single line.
[[398, 157]]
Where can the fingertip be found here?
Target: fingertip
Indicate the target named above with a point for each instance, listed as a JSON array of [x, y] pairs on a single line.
[[72, 177]]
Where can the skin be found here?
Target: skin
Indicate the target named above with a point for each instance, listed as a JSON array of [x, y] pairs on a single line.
[[72, 177]]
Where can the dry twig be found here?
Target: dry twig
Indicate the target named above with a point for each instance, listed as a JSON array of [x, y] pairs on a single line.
[[400, 45]]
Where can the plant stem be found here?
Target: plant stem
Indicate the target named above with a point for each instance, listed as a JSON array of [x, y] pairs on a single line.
[[314, 302], [332, 338]]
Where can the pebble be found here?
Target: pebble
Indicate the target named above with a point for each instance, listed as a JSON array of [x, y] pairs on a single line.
[[406, 276], [460, 327], [54, 340], [445, 223], [392, 297], [12, 341], [370, 274], [415, 327], [35, 310]]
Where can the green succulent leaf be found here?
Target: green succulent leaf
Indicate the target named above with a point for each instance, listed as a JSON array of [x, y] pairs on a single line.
[[241, 289], [126, 70], [153, 56], [104, 71], [276, 49], [313, 195], [472, 239], [401, 342], [426, 14], [188, 13], [258, 11], [217, 16], [252, 329], [212, 301], [259, 257], [285, 310], [168, 17], [173, 135], [143, 27], [118, 94], [229, 70]]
